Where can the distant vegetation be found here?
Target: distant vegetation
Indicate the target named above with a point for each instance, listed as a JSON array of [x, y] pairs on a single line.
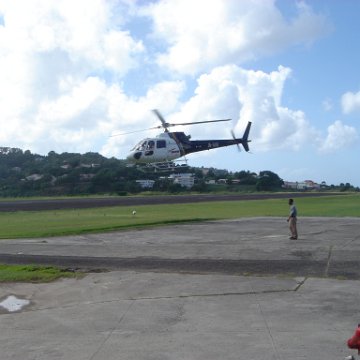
[[23, 174]]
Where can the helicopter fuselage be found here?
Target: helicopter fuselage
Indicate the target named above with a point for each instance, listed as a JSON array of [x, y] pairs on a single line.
[[169, 146], [160, 149]]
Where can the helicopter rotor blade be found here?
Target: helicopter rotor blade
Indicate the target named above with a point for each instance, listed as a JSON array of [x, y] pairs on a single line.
[[161, 118], [127, 133], [198, 122], [137, 131], [165, 125]]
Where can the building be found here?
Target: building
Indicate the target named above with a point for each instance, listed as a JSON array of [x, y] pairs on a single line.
[[302, 185], [34, 177], [184, 179], [146, 184], [311, 185]]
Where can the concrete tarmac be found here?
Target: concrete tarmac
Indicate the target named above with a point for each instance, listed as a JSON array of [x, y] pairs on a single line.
[[234, 289]]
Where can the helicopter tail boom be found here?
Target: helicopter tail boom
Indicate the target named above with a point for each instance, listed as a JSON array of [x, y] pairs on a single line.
[[201, 145]]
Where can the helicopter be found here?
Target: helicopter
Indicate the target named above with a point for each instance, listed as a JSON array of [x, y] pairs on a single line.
[[161, 151]]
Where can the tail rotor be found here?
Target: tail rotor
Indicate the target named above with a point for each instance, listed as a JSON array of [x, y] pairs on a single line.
[[244, 141], [234, 137]]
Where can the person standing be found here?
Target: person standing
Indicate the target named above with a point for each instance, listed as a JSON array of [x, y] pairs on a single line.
[[292, 220]]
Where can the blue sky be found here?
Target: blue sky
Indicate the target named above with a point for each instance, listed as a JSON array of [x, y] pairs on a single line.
[[74, 73]]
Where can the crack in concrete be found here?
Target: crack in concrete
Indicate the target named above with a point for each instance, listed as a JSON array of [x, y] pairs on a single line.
[[101, 346], [134, 299], [351, 241], [244, 293]]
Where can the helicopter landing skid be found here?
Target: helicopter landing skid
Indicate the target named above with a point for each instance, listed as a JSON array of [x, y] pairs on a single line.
[[166, 166]]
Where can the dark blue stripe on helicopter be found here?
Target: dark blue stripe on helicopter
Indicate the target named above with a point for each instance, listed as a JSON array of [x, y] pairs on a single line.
[[201, 145]]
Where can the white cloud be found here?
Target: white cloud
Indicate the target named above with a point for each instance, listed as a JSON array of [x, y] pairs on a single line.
[[206, 33], [52, 55], [350, 102], [62, 65], [133, 114], [42, 41], [80, 29], [87, 113], [339, 136], [246, 95], [256, 96], [70, 106]]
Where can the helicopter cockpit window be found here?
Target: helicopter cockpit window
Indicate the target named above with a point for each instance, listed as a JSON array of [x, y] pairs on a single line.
[[140, 146], [161, 144], [150, 148], [150, 145]]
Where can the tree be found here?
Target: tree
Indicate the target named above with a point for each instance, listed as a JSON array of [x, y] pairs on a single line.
[[246, 177], [200, 186], [268, 181]]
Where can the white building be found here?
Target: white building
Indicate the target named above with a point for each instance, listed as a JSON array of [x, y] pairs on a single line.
[[146, 184], [34, 177], [302, 185], [184, 179]]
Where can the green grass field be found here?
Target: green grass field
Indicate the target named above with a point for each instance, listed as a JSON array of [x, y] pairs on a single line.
[[66, 222]]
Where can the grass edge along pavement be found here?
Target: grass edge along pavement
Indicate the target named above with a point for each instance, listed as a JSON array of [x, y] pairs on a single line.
[[33, 273], [79, 221]]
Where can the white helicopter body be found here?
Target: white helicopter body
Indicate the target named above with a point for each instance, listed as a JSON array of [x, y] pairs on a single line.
[[168, 146]]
